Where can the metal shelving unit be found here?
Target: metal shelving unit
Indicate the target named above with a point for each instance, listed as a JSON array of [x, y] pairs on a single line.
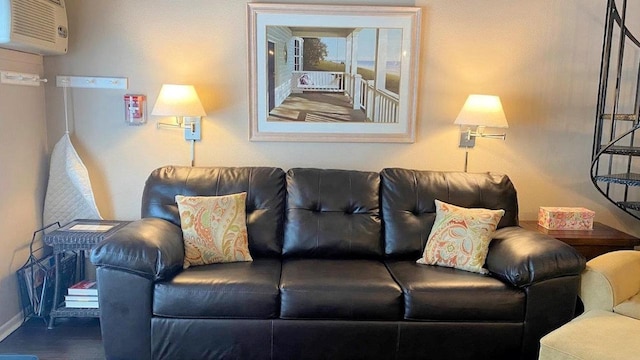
[[615, 166]]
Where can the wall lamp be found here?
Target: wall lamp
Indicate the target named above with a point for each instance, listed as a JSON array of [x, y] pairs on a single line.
[[179, 101], [182, 103], [478, 113]]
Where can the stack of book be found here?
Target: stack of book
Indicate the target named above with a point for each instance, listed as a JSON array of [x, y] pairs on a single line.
[[82, 295]]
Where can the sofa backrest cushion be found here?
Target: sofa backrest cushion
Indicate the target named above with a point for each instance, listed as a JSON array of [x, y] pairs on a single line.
[[265, 188], [332, 214], [408, 208]]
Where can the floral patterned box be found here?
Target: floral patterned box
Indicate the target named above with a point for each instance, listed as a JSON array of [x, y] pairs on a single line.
[[565, 218]]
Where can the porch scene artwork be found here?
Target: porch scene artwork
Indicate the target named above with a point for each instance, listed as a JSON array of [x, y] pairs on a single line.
[[333, 73]]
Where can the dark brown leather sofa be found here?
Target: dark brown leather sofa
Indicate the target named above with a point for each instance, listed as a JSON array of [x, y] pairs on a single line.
[[334, 273]]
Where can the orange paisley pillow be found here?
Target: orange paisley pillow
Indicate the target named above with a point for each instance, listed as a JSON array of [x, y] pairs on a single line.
[[460, 237], [214, 229]]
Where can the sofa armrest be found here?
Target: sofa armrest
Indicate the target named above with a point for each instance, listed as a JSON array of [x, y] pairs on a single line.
[[523, 257], [610, 279], [150, 247]]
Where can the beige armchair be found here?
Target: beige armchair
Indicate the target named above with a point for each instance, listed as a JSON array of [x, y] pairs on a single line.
[[609, 328]]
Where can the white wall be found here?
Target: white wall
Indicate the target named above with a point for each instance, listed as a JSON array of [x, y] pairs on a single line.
[[542, 57], [23, 160]]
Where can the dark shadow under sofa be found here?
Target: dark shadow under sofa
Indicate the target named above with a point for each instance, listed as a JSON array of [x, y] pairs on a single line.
[[334, 273]]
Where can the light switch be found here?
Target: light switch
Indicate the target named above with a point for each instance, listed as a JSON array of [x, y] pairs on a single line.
[[192, 130]]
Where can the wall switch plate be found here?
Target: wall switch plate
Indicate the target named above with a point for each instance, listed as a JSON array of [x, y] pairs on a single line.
[[193, 128], [466, 141]]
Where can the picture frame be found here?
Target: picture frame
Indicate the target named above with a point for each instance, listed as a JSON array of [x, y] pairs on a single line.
[[333, 73]]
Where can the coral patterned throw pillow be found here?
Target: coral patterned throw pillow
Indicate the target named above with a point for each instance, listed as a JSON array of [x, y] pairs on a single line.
[[214, 229], [460, 237]]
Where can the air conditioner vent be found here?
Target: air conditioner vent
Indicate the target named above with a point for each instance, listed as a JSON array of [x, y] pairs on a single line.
[[34, 19], [34, 26]]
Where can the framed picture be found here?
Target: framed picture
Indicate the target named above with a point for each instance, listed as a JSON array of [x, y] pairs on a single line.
[[333, 73]]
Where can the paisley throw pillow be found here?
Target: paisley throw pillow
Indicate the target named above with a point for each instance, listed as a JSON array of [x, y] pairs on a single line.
[[460, 237], [214, 229]]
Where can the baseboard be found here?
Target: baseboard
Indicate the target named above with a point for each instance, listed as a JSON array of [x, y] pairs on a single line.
[[10, 326]]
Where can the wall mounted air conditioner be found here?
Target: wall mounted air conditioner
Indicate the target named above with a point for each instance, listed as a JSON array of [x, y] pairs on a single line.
[[34, 26]]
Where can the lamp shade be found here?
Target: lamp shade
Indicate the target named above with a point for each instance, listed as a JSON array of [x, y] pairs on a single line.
[[482, 110], [178, 100]]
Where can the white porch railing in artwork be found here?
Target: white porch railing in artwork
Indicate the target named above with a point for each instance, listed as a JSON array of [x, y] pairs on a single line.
[[379, 105], [328, 81]]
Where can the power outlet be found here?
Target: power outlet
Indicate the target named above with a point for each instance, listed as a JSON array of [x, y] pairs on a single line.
[[193, 129]]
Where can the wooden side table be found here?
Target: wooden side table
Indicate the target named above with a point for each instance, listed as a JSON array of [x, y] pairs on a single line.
[[80, 236], [589, 243]]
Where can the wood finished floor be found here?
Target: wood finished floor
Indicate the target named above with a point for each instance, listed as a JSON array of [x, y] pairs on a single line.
[[317, 107], [71, 339]]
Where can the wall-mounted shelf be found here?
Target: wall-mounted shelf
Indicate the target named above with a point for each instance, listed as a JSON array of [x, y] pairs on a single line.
[[17, 78], [91, 82]]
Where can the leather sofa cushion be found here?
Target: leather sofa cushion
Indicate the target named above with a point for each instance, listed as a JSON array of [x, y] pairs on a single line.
[[438, 293], [210, 339], [265, 190], [334, 340], [477, 340], [338, 289], [332, 214], [408, 209], [229, 290]]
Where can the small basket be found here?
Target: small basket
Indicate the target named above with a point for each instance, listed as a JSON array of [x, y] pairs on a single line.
[[37, 279]]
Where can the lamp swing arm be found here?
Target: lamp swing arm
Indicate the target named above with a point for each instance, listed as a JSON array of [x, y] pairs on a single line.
[[480, 133]]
